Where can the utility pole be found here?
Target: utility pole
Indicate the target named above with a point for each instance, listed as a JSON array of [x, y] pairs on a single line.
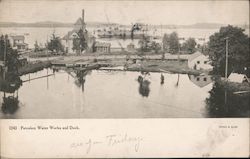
[[179, 50], [4, 56], [47, 50], [226, 69]]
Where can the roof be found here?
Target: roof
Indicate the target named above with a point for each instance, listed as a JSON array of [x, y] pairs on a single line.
[[68, 35], [87, 35], [79, 22], [235, 77], [17, 37], [102, 44], [175, 57], [194, 55], [21, 44], [131, 44]]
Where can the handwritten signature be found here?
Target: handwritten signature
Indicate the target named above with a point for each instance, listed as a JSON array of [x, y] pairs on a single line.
[[110, 141]]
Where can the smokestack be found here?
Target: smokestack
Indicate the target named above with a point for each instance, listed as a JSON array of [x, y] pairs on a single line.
[[83, 15]]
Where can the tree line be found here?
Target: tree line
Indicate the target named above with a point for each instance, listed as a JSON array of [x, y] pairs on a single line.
[[238, 50], [171, 44], [8, 54], [238, 47]]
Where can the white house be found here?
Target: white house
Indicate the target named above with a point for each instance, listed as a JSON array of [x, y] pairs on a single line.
[[199, 61], [17, 42], [239, 78]]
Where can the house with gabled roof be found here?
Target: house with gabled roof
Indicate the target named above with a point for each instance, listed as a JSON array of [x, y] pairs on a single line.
[[18, 42], [199, 61], [238, 78], [67, 40]]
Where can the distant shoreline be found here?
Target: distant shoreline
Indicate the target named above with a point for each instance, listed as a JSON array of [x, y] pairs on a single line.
[[103, 24]]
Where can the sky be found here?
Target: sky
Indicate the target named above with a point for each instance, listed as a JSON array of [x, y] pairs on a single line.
[[127, 12]]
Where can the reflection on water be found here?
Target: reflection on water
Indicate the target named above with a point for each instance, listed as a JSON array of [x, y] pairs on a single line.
[[162, 79], [9, 86], [11, 83], [68, 93], [10, 105], [81, 77], [144, 83], [223, 103], [201, 80]]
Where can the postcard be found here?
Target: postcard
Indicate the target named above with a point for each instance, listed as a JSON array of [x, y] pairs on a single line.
[[123, 79]]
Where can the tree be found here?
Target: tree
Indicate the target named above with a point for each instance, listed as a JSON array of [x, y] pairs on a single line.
[[83, 41], [222, 102], [55, 44], [173, 43], [166, 42], [80, 42], [144, 44], [238, 50], [11, 56], [36, 46], [156, 47], [147, 45], [203, 48], [189, 45], [76, 45]]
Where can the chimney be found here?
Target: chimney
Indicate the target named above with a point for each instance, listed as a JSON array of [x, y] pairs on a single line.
[[83, 15]]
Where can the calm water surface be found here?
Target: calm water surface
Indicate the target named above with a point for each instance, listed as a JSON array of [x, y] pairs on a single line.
[[42, 34], [105, 94]]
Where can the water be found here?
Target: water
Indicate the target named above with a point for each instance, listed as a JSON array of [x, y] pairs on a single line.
[[104, 94], [42, 34]]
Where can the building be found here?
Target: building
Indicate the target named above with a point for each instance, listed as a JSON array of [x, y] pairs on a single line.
[[18, 42], [198, 61], [67, 40], [239, 78], [102, 47], [131, 47], [22, 61]]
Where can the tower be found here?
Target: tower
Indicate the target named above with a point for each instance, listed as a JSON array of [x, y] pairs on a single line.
[[83, 16]]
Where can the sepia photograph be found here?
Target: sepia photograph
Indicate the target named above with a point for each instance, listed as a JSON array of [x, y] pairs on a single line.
[[124, 59], [124, 78]]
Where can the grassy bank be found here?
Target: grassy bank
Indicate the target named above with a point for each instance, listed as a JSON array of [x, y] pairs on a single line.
[[148, 65], [164, 66], [234, 87], [33, 67]]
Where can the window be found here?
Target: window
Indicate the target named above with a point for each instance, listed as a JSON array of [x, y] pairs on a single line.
[[197, 79], [204, 79], [198, 62], [205, 62]]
